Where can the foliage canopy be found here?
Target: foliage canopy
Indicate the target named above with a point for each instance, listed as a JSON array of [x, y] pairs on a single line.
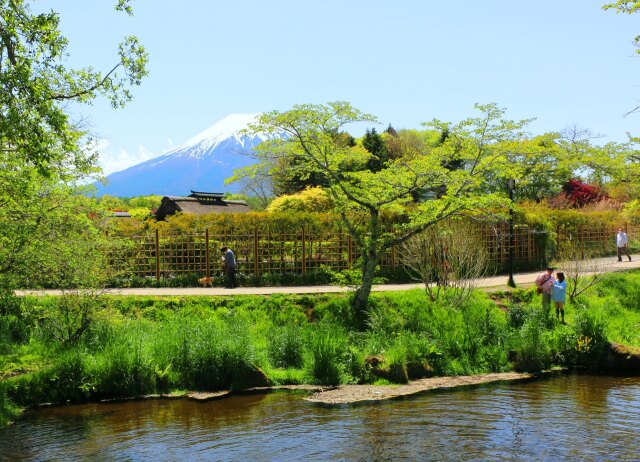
[[43, 152], [478, 147]]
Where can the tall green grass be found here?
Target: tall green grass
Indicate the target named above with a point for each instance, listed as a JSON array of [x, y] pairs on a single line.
[[327, 354], [142, 345], [8, 410], [531, 343], [286, 346]]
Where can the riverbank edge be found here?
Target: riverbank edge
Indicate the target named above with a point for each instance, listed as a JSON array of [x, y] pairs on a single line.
[[370, 394], [619, 359], [339, 395], [359, 394]]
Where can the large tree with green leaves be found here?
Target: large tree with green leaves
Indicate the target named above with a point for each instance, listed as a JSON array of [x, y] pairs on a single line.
[[361, 197], [544, 163], [45, 225], [35, 85]]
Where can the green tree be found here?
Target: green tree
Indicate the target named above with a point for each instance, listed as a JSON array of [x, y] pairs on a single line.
[[35, 85], [407, 143], [544, 163], [374, 143], [361, 196], [624, 6], [617, 163], [49, 231]]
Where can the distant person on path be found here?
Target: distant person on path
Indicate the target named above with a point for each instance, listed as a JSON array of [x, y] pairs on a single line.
[[559, 295], [544, 285], [622, 241], [229, 267]]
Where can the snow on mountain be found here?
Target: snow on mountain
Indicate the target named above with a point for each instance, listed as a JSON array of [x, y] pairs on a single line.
[[201, 163]]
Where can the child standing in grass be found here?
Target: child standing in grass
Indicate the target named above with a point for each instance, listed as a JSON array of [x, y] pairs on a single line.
[[559, 295]]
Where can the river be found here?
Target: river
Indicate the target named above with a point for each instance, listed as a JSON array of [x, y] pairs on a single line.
[[566, 417]]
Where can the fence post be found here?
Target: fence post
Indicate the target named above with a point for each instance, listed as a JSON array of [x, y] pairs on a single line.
[[349, 249], [255, 250], [206, 252], [393, 259], [558, 241], [157, 256], [529, 247], [304, 252]]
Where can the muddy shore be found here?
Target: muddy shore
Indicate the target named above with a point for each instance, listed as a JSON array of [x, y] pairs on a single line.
[[352, 394]]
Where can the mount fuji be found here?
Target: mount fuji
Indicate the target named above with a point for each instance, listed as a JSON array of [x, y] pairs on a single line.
[[201, 163]]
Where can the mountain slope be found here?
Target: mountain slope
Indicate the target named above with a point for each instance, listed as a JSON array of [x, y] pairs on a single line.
[[201, 163]]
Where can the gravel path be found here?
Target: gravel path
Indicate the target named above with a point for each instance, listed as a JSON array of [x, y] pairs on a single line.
[[522, 280]]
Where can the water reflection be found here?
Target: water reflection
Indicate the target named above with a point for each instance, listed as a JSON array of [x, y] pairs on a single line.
[[571, 417]]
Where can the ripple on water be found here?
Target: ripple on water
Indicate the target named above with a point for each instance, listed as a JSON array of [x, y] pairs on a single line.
[[575, 417]]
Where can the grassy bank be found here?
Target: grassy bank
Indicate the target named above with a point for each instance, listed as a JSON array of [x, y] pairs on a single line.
[[139, 345]]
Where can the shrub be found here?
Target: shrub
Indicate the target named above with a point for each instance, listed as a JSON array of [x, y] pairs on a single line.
[[517, 315], [590, 329], [312, 199], [395, 363], [532, 346], [579, 194], [71, 315]]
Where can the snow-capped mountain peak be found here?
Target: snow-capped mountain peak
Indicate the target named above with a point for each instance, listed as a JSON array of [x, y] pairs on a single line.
[[225, 130], [201, 163]]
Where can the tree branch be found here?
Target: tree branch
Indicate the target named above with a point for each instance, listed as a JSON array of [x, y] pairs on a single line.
[[87, 90]]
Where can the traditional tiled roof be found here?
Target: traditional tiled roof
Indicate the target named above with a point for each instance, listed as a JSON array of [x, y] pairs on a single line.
[[206, 195], [199, 206]]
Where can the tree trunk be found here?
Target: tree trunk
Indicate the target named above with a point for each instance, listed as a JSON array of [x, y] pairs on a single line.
[[369, 253], [361, 299]]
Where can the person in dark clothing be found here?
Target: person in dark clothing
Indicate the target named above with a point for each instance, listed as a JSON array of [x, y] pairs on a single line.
[[229, 267]]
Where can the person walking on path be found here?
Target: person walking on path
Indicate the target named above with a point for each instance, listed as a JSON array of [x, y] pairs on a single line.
[[559, 295], [229, 267], [544, 285], [622, 242]]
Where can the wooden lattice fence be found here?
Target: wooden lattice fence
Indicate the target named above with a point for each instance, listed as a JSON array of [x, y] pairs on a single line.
[[598, 239], [259, 251]]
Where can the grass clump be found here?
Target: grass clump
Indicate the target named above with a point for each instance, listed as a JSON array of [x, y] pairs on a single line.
[[286, 347], [326, 354]]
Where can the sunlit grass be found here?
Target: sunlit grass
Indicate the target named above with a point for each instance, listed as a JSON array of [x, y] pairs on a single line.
[[148, 345]]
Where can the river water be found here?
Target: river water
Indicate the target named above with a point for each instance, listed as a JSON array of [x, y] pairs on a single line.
[[572, 417]]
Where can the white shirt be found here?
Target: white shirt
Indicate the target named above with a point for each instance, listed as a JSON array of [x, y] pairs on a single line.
[[622, 239]]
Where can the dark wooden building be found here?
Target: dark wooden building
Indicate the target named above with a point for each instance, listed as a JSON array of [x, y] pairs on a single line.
[[199, 203]]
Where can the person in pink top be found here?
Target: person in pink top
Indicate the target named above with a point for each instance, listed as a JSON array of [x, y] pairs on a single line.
[[544, 283]]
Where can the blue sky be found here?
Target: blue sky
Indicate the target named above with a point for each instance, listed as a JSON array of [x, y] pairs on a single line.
[[564, 62]]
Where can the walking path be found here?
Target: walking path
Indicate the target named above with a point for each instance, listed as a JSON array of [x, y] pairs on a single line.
[[522, 280]]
